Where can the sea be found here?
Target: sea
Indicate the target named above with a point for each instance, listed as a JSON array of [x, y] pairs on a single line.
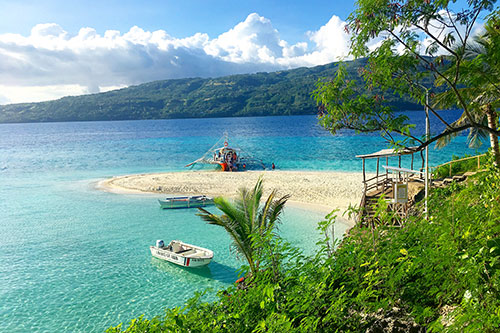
[[75, 258]]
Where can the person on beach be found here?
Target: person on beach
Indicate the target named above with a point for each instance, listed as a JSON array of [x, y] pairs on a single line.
[[273, 166]]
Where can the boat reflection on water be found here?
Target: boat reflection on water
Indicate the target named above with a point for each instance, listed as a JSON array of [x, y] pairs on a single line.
[[214, 271]]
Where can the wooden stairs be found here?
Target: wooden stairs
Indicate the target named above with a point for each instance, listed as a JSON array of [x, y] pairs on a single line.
[[368, 213]]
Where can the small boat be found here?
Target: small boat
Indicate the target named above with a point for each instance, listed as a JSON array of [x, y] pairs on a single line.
[[182, 254], [186, 202]]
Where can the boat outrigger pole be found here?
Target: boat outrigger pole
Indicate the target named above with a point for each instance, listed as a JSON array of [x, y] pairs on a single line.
[[204, 158]]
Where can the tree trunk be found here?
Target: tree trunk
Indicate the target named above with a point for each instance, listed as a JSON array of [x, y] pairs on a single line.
[[493, 123]]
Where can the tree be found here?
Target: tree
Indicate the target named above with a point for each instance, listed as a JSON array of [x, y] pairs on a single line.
[[479, 86], [246, 222], [409, 44]]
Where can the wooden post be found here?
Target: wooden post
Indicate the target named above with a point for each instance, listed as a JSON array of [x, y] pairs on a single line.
[[411, 161], [386, 171], [378, 160], [364, 176], [399, 173]]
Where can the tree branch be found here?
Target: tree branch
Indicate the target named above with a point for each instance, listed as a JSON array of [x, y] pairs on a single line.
[[445, 133], [454, 26], [455, 130], [439, 117], [452, 86]]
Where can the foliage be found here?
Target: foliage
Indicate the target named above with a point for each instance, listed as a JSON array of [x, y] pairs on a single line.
[[440, 274], [260, 94], [343, 104], [477, 75], [413, 43], [459, 168], [250, 226]]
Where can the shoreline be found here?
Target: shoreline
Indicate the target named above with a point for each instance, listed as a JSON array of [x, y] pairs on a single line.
[[320, 191]]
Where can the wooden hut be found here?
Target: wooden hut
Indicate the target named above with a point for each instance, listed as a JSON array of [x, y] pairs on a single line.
[[391, 183]]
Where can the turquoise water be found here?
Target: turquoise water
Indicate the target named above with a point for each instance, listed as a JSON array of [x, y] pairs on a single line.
[[73, 258]]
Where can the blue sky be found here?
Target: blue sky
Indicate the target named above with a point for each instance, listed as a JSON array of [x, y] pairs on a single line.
[[180, 18], [54, 48]]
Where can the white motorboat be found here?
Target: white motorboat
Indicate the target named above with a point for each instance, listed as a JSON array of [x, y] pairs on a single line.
[[182, 254], [186, 202]]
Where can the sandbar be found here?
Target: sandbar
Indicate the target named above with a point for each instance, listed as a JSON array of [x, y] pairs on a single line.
[[320, 190]]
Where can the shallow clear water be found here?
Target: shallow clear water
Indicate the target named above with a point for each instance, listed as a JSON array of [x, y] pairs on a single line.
[[73, 258]]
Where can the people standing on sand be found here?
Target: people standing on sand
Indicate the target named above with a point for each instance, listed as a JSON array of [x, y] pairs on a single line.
[[273, 166]]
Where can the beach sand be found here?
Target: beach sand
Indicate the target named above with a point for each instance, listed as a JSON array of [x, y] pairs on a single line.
[[317, 190]]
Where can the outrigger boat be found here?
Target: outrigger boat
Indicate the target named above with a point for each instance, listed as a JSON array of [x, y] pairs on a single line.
[[186, 202], [228, 158], [182, 254]]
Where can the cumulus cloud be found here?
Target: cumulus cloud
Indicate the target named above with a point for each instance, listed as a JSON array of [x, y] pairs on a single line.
[[50, 63]]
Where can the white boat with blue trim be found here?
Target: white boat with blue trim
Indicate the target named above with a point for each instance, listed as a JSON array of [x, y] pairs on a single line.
[[186, 202], [182, 254]]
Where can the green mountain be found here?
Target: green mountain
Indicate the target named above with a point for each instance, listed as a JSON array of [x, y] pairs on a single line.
[[261, 94]]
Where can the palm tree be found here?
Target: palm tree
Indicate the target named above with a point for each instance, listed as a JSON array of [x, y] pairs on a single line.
[[479, 75], [245, 219]]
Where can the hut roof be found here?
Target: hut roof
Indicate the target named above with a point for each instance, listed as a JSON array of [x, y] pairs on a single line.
[[390, 152]]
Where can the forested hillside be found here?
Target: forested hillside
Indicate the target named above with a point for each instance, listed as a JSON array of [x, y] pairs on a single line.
[[260, 94]]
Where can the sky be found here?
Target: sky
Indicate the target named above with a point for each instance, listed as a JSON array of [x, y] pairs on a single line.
[[54, 48]]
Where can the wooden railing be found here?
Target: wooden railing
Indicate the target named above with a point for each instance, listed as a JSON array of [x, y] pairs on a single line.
[[375, 182], [450, 163]]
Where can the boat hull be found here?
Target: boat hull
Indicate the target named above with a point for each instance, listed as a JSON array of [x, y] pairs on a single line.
[[179, 259], [185, 202]]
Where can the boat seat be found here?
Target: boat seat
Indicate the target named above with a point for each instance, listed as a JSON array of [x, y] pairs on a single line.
[[176, 247], [183, 251]]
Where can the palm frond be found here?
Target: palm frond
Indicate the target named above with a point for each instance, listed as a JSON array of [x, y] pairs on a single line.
[[275, 210], [262, 218], [241, 243], [445, 140], [244, 220], [476, 138]]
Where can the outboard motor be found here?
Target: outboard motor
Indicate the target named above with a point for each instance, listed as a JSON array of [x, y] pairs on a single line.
[[159, 243]]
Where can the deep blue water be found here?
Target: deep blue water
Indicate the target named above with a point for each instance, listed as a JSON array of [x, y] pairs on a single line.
[[73, 258]]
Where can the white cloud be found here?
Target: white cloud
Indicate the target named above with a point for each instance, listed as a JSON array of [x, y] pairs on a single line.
[[254, 40], [50, 63], [21, 94]]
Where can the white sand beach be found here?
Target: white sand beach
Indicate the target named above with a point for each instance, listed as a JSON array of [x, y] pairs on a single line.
[[318, 190]]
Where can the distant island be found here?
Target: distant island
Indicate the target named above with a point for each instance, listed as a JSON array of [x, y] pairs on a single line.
[[261, 94]]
